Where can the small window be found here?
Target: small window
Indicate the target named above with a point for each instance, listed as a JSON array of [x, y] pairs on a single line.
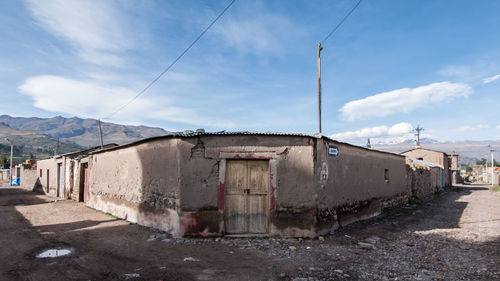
[[40, 172], [386, 175], [421, 158]]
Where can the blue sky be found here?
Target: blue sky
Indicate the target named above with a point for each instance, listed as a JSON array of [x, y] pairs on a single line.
[[391, 66]]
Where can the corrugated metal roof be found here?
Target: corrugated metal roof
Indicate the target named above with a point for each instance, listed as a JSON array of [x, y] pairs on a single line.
[[421, 148], [190, 133], [194, 133], [422, 162]]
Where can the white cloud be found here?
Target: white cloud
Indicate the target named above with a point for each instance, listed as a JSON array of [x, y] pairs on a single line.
[[491, 78], [498, 127], [399, 129], [465, 128], [403, 100], [468, 128], [455, 71], [91, 99], [94, 28]]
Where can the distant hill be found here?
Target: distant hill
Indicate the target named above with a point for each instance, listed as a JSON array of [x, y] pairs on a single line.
[[469, 151], [84, 132], [30, 144]]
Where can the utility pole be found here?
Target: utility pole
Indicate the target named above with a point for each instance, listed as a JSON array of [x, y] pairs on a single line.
[[100, 132], [319, 85], [11, 154], [418, 129], [56, 152], [492, 164], [486, 170]]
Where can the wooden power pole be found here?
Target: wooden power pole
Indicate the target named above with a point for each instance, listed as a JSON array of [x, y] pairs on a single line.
[[319, 85], [56, 152], [100, 132], [418, 129]]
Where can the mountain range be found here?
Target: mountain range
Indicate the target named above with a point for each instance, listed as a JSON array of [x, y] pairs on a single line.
[[30, 144], [40, 135], [84, 132]]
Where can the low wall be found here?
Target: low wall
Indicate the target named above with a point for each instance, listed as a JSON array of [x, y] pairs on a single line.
[[4, 177], [29, 179], [423, 180]]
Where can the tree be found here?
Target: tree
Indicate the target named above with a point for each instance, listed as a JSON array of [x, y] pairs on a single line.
[[481, 162], [3, 161]]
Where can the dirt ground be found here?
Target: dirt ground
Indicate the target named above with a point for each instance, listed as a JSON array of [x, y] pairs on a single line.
[[454, 236]]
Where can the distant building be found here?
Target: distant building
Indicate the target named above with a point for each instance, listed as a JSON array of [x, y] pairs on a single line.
[[65, 175], [448, 163]]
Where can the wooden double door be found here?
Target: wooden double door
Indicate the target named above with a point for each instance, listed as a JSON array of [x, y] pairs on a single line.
[[247, 197]]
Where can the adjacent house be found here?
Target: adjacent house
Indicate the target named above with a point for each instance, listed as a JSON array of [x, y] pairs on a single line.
[[448, 163], [65, 176], [424, 178]]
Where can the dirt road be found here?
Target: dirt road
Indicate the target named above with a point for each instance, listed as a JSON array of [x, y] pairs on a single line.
[[455, 236]]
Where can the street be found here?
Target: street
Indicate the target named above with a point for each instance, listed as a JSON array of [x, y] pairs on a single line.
[[454, 236]]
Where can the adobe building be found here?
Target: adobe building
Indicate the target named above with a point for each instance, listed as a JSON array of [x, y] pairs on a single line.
[[448, 163], [64, 176], [212, 184]]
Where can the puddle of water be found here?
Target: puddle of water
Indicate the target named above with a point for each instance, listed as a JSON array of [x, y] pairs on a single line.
[[54, 253], [131, 275]]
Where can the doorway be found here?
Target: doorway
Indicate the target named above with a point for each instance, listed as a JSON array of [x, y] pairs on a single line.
[[247, 197], [83, 192], [60, 186]]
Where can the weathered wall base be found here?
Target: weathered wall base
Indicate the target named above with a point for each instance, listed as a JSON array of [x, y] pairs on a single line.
[[164, 219]]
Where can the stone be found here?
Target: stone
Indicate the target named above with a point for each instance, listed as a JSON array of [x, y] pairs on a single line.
[[368, 246]]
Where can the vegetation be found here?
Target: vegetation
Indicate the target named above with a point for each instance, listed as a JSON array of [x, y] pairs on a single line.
[[483, 161], [33, 147]]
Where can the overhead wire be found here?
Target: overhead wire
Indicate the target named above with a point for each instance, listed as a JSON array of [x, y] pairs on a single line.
[[173, 62], [341, 22]]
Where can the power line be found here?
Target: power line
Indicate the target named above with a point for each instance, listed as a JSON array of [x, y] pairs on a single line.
[[341, 22], [173, 63]]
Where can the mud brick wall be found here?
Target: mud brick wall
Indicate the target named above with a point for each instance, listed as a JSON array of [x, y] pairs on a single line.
[[356, 183], [291, 196], [29, 178], [139, 183], [422, 181]]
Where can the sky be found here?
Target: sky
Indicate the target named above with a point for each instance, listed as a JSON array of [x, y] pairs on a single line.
[[391, 66]]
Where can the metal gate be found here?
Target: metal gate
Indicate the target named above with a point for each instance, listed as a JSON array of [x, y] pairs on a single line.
[[247, 201]]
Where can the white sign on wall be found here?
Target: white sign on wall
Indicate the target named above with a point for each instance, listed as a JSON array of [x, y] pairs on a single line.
[[333, 151]]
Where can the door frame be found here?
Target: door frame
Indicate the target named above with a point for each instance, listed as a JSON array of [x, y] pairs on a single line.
[[271, 156]]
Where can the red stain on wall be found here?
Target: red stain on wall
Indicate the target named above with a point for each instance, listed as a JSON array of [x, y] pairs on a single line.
[[189, 221], [222, 196], [272, 199]]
